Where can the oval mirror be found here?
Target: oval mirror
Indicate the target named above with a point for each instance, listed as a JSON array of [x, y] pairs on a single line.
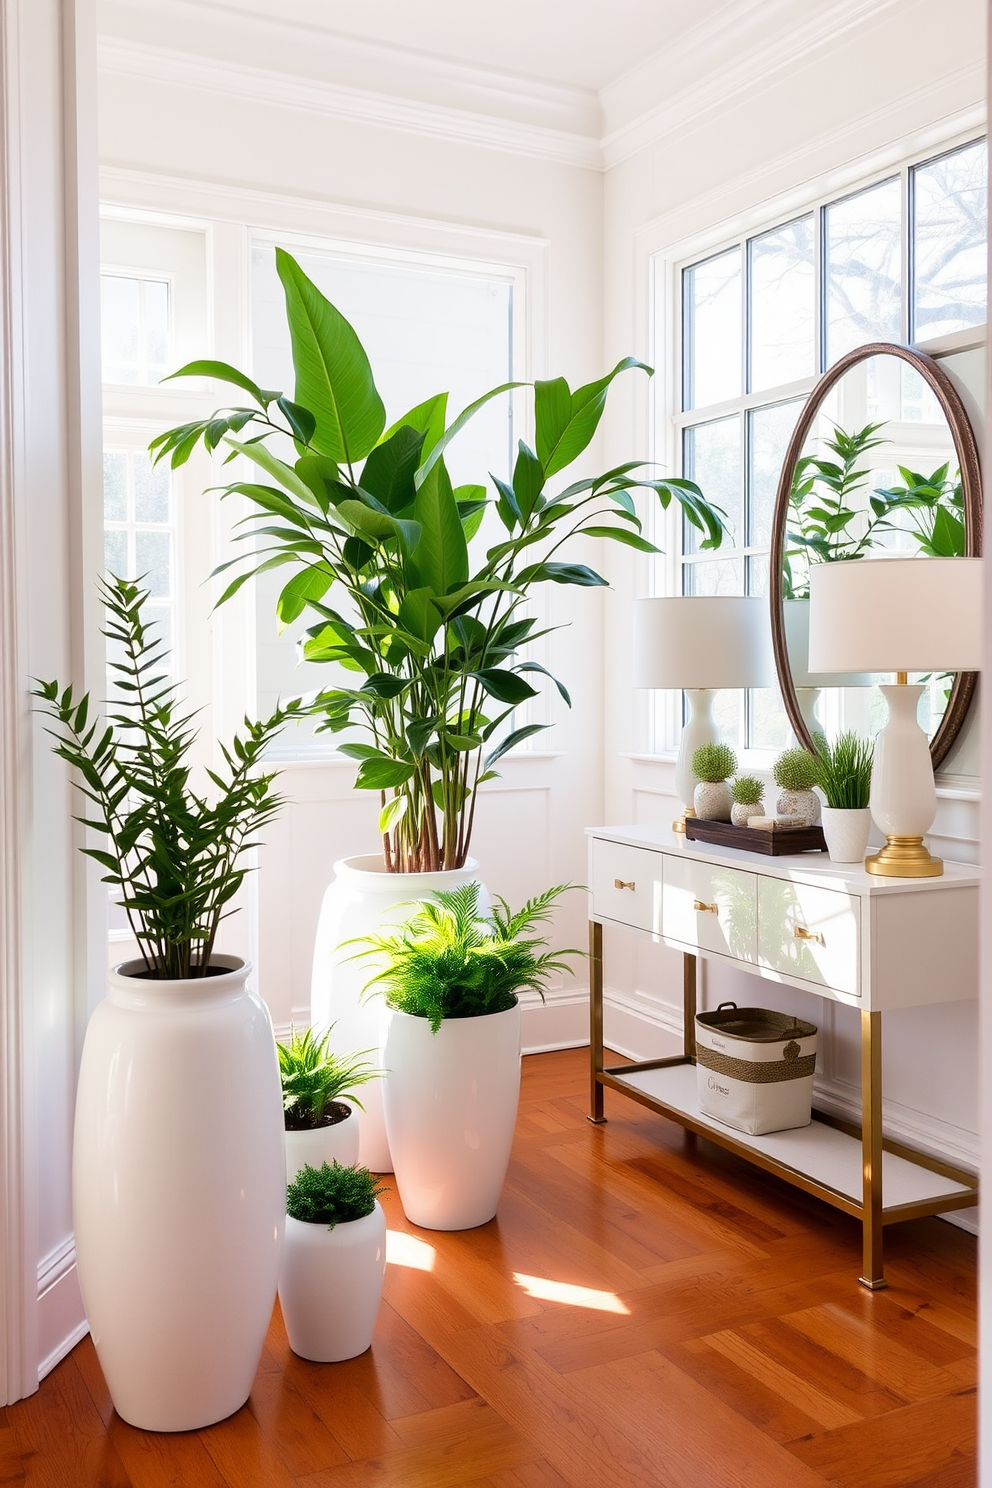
[[882, 458]]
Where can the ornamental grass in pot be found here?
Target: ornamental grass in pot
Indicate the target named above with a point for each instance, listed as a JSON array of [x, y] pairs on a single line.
[[334, 1261], [319, 1103], [843, 773], [178, 1158], [452, 975]]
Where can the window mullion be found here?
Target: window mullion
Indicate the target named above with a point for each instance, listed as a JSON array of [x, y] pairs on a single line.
[[906, 256]]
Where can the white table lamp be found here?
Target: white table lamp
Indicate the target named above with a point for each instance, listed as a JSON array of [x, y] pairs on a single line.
[[699, 644], [898, 615]]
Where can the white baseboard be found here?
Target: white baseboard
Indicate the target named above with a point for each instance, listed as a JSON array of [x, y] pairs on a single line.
[[61, 1320]]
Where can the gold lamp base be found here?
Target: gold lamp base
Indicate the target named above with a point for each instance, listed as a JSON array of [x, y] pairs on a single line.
[[679, 825], [904, 857]]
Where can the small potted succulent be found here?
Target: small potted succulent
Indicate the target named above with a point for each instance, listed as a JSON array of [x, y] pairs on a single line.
[[843, 773], [321, 1126], [795, 775], [334, 1261], [451, 975], [746, 793], [713, 765]]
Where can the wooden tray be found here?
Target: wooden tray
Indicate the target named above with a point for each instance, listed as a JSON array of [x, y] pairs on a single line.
[[777, 843]]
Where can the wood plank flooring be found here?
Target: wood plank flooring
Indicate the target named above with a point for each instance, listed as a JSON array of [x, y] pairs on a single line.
[[645, 1310]]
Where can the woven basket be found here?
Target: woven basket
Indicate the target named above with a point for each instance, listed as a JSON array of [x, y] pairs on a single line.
[[754, 1068]]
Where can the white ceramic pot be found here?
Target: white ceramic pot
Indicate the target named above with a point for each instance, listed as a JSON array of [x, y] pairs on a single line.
[[451, 1108], [330, 1286], [711, 800], [362, 897], [804, 804], [179, 1198], [323, 1144], [846, 832], [741, 814]]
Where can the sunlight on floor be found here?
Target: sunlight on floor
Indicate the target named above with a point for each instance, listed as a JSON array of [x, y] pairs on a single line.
[[407, 1250], [572, 1296]]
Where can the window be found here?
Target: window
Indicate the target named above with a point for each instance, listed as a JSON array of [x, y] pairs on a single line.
[[902, 258], [135, 329], [138, 531]]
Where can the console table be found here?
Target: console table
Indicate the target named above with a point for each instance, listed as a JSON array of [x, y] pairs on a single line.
[[831, 929]]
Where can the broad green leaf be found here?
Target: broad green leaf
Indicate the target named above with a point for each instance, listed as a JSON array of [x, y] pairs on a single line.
[[224, 372], [562, 573], [382, 774], [427, 418], [440, 559], [459, 424], [392, 812], [623, 535], [506, 687], [560, 441], [418, 615], [311, 583], [512, 740], [390, 468], [287, 477], [299, 419], [528, 480], [333, 377]]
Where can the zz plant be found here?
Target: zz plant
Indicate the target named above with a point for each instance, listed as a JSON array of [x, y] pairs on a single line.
[[175, 857], [452, 961], [376, 543]]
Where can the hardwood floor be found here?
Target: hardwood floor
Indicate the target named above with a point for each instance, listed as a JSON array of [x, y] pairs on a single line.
[[644, 1311]]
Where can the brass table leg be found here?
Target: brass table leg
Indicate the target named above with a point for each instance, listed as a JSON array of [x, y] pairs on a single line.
[[595, 1022], [871, 1150], [689, 1006]]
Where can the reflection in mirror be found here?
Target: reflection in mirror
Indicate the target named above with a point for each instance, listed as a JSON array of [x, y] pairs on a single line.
[[882, 461]]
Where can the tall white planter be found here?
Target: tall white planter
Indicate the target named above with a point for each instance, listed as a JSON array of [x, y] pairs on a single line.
[[323, 1144], [179, 1174], [361, 897], [451, 1108], [330, 1286]]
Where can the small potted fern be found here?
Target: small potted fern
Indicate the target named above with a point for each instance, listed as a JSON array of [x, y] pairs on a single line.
[[795, 775], [843, 773], [452, 976], [321, 1124], [746, 793], [713, 764], [333, 1262]]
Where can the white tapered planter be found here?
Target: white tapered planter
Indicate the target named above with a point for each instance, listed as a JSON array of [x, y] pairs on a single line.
[[323, 1144], [451, 1108], [361, 898], [179, 1197], [846, 831], [330, 1285]]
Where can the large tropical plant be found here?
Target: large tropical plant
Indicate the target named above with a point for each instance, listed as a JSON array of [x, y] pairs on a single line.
[[377, 540], [829, 517]]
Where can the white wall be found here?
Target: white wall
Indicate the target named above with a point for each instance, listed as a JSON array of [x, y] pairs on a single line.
[[759, 142]]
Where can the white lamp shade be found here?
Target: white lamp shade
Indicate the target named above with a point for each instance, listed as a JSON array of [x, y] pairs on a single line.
[[702, 641], [796, 615], [896, 615]]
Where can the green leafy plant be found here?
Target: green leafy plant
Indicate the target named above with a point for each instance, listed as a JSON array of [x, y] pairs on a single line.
[[843, 771], [713, 762], [825, 508], [747, 791], [935, 504], [174, 856], [795, 770], [452, 961], [332, 1195], [314, 1077], [377, 541]]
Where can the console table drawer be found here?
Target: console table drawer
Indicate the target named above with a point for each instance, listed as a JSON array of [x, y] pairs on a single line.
[[711, 908], [811, 933], [626, 885]]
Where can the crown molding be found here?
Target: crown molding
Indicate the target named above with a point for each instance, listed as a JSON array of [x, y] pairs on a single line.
[[460, 124]]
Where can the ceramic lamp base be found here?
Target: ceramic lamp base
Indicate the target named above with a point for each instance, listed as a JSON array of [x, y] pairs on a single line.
[[904, 857], [679, 825]]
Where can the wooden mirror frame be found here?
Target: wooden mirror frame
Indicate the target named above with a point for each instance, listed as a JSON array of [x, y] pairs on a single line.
[[966, 450]]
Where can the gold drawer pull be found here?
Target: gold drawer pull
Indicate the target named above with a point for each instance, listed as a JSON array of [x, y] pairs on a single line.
[[801, 933], [707, 908], [618, 883]]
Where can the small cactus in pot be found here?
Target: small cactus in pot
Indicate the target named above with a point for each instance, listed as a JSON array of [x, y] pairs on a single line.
[[746, 793], [713, 764], [795, 773]]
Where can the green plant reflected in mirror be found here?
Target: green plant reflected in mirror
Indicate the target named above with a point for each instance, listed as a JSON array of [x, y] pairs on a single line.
[[883, 460]]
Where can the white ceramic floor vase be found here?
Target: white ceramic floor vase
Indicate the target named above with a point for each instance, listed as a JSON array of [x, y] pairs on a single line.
[[179, 1198], [330, 1286], [451, 1108], [362, 897], [846, 831], [323, 1144]]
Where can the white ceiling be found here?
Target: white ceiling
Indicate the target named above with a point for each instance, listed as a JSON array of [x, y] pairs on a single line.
[[580, 43]]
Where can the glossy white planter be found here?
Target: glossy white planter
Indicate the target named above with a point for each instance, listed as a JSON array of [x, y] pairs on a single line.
[[325, 1144], [846, 832], [451, 1108], [179, 1197], [330, 1286], [362, 897]]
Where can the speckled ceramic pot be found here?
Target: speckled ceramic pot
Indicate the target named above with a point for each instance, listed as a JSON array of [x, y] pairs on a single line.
[[711, 800], [805, 804]]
